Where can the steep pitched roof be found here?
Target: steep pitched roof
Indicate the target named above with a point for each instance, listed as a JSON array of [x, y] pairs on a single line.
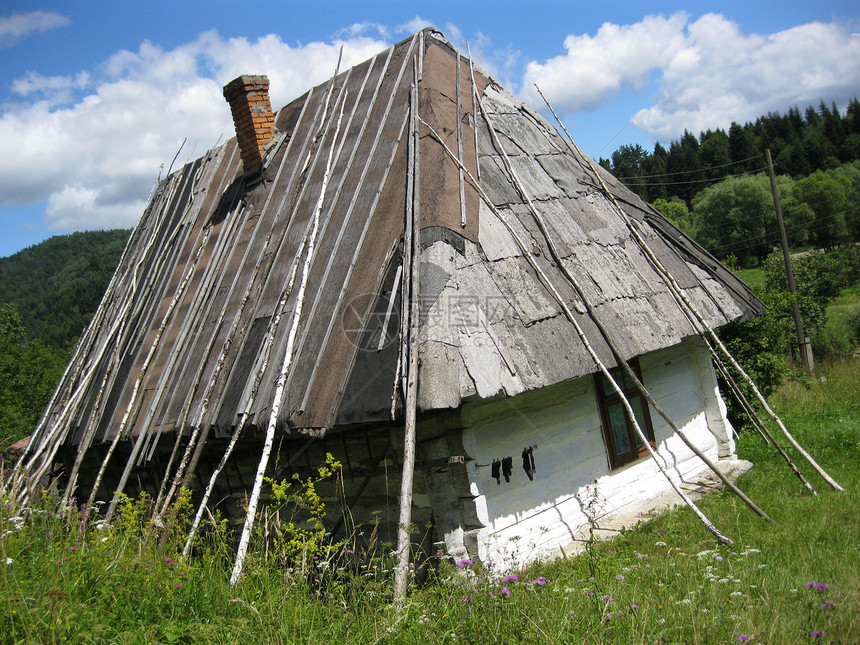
[[200, 313]]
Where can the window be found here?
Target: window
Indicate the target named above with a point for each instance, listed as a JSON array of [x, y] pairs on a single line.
[[622, 441]]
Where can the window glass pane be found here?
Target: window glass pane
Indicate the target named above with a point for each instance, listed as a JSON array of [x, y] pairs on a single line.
[[618, 421], [636, 404]]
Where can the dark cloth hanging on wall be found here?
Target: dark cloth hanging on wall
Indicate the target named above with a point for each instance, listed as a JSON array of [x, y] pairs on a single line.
[[529, 463], [507, 468], [497, 465]]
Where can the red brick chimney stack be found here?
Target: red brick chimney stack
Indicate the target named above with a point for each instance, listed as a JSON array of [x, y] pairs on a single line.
[[248, 97]]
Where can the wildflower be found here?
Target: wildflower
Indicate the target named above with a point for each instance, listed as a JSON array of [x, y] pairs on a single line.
[[9, 561], [540, 581], [660, 544], [743, 638], [816, 634], [828, 605], [589, 593], [737, 593], [608, 616], [505, 592], [619, 577], [793, 590], [718, 558], [462, 564], [819, 586], [467, 599], [169, 562], [510, 578], [177, 586], [607, 599]]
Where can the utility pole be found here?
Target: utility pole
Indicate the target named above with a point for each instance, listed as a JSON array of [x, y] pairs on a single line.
[[804, 345]]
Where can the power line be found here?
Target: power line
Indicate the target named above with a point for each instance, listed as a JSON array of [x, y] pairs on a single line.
[[687, 172]]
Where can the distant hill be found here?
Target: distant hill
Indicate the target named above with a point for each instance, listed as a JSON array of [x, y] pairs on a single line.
[[57, 285]]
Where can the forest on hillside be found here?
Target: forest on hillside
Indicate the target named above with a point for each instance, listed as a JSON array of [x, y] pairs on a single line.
[[48, 294]]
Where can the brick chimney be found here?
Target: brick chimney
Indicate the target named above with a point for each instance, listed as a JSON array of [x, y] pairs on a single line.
[[248, 97]]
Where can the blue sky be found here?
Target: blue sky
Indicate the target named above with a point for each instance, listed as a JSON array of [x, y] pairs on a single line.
[[95, 97]]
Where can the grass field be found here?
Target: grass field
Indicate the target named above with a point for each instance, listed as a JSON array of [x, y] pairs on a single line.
[[64, 580]]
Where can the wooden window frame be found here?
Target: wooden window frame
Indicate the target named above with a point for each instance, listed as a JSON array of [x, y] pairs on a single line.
[[605, 399]]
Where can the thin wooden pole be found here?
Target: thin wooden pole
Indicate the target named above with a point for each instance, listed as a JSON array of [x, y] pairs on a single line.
[[287, 362], [401, 575], [805, 357]]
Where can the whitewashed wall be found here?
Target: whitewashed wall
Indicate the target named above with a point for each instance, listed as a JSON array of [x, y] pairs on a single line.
[[528, 519]]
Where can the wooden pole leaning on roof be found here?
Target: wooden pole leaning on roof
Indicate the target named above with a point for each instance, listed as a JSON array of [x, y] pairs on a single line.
[[679, 294], [412, 248], [286, 365], [591, 352]]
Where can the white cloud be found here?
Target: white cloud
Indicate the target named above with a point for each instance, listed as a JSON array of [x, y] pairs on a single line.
[[20, 25], [75, 208], [708, 73], [91, 144], [413, 26], [596, 68]]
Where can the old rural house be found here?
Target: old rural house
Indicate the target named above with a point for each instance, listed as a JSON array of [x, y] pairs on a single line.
[[266, 284]]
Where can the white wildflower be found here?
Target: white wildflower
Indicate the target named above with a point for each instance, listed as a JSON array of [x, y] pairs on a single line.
[[737, 593], [9, 560]]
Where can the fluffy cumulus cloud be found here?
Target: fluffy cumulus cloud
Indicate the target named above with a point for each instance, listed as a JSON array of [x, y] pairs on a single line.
[[20, 25], [707, 71], [90, 145]]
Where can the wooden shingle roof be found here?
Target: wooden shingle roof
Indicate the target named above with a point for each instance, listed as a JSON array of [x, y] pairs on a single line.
[[194, 326]]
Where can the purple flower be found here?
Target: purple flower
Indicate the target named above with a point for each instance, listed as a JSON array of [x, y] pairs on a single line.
[[607, 599], [718, 558], [511, 578], [828, 605], [816, 634], [540, 581], [743, 638], [634, 607], [505, 592], [619, 577], [462, 564], [169, 562], [608, 616], [350, 551], [819, 586], [467, 599], [589, 593], [177, 586]]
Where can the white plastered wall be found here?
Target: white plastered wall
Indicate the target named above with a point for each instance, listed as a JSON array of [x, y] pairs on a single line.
[[526, 520]]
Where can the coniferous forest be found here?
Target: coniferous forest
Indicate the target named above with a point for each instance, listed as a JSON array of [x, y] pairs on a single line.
[[713, 186]]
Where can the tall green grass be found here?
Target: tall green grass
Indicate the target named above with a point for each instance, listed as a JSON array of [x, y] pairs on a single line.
[[71, 579]]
